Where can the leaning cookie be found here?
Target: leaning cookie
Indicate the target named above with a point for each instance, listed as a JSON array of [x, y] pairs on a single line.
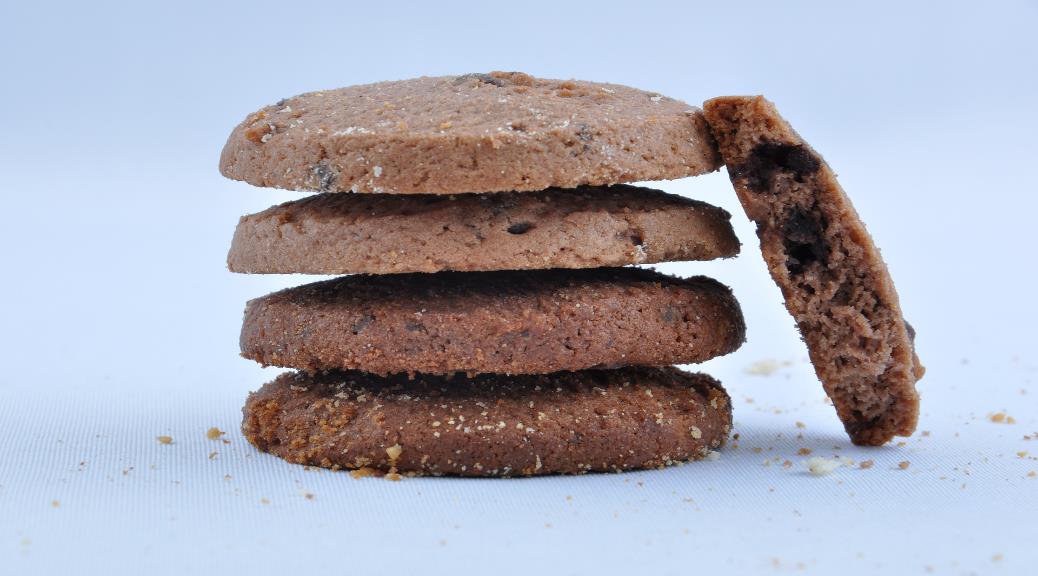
[[514, 322], [491, 425], [835, 283], [393, 233], [493, 132]]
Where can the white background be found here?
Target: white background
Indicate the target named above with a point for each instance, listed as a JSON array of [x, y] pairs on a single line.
[[120, 321]]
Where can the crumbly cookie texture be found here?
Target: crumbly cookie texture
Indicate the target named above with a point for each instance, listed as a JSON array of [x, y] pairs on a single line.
[[502, 131], [513, 322], [490, 425], [555, 228], [835, 283]]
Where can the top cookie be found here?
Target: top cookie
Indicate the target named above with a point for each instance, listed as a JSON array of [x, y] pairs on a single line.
[[834, 281], [502, 131]]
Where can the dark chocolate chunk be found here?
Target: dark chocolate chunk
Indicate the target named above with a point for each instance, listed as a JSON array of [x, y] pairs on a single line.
[[584, 133], [326, 176], [769, 158], [520, 228], [361, 324], [484, 78], [803, 240]]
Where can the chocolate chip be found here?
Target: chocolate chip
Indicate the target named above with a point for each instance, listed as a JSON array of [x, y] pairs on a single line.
[[415, 326], [484, 78], [520, 228], [803, 240], [361, 324], [326, 176], [770, 158], [584, 132]]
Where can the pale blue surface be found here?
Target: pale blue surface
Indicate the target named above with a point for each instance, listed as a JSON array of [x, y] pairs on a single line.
[[120, 322]]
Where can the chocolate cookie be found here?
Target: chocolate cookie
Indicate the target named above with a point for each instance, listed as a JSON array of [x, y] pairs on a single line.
[[516, 322], [834, 281], [392, 233], [490, 425], [495, 132]]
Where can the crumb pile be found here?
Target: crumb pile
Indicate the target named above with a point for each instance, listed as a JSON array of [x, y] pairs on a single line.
[[486, 320]]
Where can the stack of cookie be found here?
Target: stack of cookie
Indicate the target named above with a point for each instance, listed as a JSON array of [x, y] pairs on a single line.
[[486, 324]]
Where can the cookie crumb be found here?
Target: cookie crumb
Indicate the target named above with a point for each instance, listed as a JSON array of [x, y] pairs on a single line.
[[214, 433], [866, 464], [264, 501], [394, 452], [765, 367], [903, 465], [55, 504], [997, 558], [998, 418], [212, 455], [164, 439], [800, 424], [308, 495], [819, 466], [803, 452], [363, 472]]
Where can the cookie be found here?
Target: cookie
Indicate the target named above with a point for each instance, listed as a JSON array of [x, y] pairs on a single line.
[[393, 233], [835, 283], [496, 132], [490, 425], [513, 322]]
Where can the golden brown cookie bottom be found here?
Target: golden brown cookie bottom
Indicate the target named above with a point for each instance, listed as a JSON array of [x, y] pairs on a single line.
[[490, 425]]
